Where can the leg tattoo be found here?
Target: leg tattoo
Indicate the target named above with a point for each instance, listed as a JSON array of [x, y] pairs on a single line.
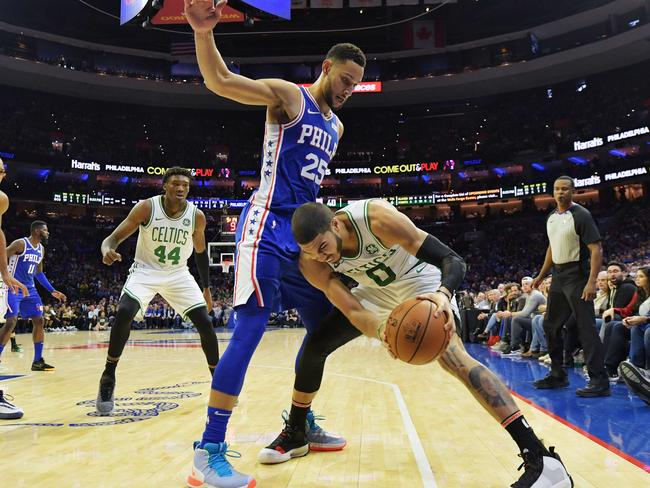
[[488, 386]]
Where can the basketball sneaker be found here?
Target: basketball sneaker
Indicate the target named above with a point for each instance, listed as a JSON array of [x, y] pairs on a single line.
[[16, 348], [9, 411], [319, 439], [105, 402], [550, 382], [291, 443], [211, 469], [637, 379], [543, 470], [513, 353], [41, 365]]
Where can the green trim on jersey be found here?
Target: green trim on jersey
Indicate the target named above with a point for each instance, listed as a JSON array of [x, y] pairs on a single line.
[[162, 207], [366, 217], [194, 219], [359, 239], [193, 307], [132, 295], [153, 211]]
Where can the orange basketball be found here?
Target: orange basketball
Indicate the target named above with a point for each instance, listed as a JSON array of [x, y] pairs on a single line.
[[415, 336]]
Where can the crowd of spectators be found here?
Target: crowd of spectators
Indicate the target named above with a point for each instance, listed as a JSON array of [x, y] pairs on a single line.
[[39, 127]]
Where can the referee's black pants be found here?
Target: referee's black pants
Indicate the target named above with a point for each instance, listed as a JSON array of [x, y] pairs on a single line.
[[564, 299]]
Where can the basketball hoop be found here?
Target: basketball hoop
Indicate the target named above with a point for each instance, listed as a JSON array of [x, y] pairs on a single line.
[[222, 254], [225, 266]]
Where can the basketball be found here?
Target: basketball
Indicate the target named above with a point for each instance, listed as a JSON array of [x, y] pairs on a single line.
[[414, 335]]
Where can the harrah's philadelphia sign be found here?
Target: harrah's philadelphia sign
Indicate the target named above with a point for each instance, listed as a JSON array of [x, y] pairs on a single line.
[[599, 141], [143, 170]]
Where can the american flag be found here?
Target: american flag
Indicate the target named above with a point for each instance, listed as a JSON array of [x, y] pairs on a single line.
[[183, 48]]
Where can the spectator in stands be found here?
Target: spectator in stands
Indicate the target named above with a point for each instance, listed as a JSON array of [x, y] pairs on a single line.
[[514, 304], [617, 333], [538, 346], [102, 322], [481, 301], [622, 293], [636, 372], [488, 316], [601, 302], [521, 324]]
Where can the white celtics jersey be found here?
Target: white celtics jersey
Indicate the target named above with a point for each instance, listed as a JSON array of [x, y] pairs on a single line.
[[375, 265], [165, 243]]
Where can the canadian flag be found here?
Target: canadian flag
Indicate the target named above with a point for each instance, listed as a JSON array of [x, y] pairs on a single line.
[[425, 33]]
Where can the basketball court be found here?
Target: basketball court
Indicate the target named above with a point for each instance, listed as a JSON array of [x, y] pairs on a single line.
[[405, 425]]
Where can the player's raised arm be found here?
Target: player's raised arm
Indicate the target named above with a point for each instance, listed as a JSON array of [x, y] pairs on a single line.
[[203, 16], [201, 257], [321, 276], [139, 214]]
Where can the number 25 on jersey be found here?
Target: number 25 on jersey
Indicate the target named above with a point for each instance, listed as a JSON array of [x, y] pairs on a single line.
[[315, 171]]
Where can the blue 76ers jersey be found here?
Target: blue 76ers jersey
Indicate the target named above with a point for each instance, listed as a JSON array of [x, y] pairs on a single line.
[[295, 157], [24, 266]]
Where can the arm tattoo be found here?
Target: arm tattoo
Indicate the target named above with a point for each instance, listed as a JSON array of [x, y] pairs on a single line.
[[451, 358], [486, 385]]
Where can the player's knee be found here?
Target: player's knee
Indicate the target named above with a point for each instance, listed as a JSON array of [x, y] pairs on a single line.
[[320, 345], [127, 308], [250, 324], [200, 319]]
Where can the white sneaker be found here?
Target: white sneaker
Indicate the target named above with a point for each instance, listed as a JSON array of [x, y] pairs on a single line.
[[9, 411], [546, 471], [211, 469]]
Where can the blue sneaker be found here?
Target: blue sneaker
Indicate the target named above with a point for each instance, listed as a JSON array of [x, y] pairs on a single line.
[[211, 469], [319, 439]]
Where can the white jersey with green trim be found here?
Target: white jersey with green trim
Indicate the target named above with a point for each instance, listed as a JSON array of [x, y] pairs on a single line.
[[376, 265], [165, 243]]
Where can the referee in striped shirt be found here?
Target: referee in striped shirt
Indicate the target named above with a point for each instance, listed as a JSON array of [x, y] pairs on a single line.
[[575, 256]]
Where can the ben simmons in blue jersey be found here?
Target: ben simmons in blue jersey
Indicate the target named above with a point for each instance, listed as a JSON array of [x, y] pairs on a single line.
[[301, 136], [26, 263]]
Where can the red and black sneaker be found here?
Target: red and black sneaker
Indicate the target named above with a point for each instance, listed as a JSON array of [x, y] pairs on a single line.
[[292, 442]]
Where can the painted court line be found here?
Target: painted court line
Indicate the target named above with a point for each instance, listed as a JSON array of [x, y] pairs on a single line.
[[426, 474]]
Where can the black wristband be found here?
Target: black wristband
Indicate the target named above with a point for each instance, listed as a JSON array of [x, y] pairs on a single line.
[[203, 267]]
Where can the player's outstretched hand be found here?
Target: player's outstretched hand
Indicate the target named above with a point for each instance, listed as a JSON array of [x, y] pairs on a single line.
[[442, 304], [203, 15], [207, 296], [59, 296], [111, 256], [14, 285]]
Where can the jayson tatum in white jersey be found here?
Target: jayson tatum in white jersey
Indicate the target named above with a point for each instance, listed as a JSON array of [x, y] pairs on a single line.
[[392, 260], [170, 230]]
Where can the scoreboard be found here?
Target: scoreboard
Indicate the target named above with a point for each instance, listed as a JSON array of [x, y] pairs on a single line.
[[229, 224]]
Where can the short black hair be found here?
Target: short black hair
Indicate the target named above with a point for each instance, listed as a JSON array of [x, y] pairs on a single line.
[[176, 171], [567, 178], [36, 225], [309, 220], [344, 51], [617, 263]]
